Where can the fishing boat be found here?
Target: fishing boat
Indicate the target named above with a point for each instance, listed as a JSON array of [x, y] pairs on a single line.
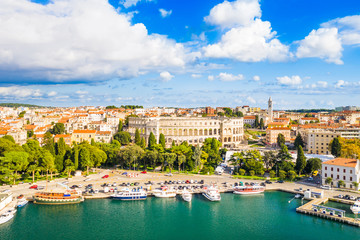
[[248, 190], [164, 192], [130, 194], [355, 208], [7, 216], [56, 198], [186, 195], [212, 194], [21, 201]]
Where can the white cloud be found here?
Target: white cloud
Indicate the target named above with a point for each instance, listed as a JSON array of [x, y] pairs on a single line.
[[234, 14], [322, 84], [341, 83], [256, 78], [19, 92], [250, 39], [348, 27], [211, 78], [81, 39], [196, 75], [165, 13], [52, 93], [251, 100], [81, 92], [323, 43], [227, 77], [130, 3], [166, 76], [293, 80]]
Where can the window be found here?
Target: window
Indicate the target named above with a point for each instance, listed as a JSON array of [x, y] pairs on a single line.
[[344, 170], [332, 176], [351, 171], [325, 174], [338, 169], [332, 169], [337, 177], [350, 179], [344, 178], [325, 168]]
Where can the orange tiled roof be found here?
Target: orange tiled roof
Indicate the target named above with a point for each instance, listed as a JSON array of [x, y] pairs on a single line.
[[62, 136], [103, 132], [84, 131], [344, 162]]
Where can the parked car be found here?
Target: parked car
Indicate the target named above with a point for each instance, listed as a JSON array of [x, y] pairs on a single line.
[[87, 179], [280, 181], [144, 172], [33, 187], [105, 176], [169, 174], [268, 182], [124, 173], [327, 187], [40, 188]]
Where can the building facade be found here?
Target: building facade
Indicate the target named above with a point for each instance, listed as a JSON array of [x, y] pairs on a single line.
[[194, 130], [347, 170], [273, 133], [317, 142]]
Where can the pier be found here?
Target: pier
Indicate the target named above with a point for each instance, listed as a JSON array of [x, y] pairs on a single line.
[[314, 208]]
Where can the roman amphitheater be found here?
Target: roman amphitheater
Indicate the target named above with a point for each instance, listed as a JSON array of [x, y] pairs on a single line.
[[194, 130]]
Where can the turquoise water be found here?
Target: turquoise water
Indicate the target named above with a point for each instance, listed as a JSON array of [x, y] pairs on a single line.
[[267, 216]]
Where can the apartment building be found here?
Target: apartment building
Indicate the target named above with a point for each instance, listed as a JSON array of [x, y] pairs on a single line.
[[272, 134], [347, 170]]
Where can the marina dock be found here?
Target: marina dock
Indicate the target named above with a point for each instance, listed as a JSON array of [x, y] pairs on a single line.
[[309, 208]]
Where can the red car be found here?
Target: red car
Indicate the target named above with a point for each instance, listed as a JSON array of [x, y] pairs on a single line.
[[144, 172], [105, 176], [33, 187]]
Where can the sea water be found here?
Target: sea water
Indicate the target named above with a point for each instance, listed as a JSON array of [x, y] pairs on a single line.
[[264, 216]]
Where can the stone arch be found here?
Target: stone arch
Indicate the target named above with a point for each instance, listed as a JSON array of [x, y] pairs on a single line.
[[205, 132], [185, 132], [190, 132], [201, 132], [214, 131], [195, 132], [210, 131], [229, 139]]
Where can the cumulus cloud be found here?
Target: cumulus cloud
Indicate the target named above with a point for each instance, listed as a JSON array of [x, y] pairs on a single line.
[[196, 75], [341, 83], [165, 13], [256, 78], [251, 100], [348, 27], [286, 80], [228, 77], [130, 3], [19, 92], [322, 84], [249, 39], [81, 92], [323, 43], [166, 76], [81, 39], [211, 78], [52, 93], [234, 14]]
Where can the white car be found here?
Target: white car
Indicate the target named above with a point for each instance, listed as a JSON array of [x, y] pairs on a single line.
[[327, 187], [169, 174], [6, 190], [87, 179]]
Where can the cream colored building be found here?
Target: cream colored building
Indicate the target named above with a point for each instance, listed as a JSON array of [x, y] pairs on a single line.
[[317, 141], [273, 133], [83, 135], [347, 170], [194, 130]]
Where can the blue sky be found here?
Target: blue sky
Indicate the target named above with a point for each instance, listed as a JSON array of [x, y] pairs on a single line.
[[180, 53]]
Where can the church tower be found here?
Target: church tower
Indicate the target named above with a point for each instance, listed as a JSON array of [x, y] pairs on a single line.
[[270, 110]]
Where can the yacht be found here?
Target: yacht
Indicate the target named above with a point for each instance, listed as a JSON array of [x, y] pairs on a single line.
[[7, 216], [130, 194], [212, 194], [186, 195], [56, 198], [247, 190], [21, 201], [164, 192], [355, 208]]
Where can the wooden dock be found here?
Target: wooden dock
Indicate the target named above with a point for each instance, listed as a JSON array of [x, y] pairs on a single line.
[[307, 208]]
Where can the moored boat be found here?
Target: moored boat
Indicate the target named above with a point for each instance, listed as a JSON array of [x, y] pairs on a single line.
[[248, 190], [355, 208], [130, 194], [21, 201], [56, 198], [164, 192], [186, 195], [7, 216], [212, 194]]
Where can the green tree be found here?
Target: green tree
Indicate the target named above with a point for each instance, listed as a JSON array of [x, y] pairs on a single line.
[[18, 161], [242, 172], [356, 185], [58, 128], [269, 159], [280, 140], [181, 160], [282, 174], [257, 124], [120, 127], [124, 138], [60, 147], [137, 137], [335, 147], [33, 168], [162, 140], [312, 165], [143, 143], [341, 183], [152, 141], [283, 154], [47, 161], [291, 175], [170, 159], [197, 156], [299, 141], [131, 154], [85, 160], [262, 125], [252, 172], [328, 180], [300, 160], [151, 158], [48, 143], [272, 174]]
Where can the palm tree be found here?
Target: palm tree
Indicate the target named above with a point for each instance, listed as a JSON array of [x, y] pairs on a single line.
[[32, 169]]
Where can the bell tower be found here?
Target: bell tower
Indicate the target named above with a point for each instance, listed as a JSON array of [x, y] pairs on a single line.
[[270, 110]]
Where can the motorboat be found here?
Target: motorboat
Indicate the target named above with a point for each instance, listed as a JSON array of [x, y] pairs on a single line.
[[164, 192], [186, 195], [355, 208], [298, 195], [248, 190], [130, 194], [211, 193], [7, 216], [21, 201]]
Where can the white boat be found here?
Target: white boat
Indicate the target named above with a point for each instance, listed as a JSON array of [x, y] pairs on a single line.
[[186, 195], [133, 194], [247, 190], [164, 192], [298, 195], [21, 201], [355, 208], [212, 194], [7, 216]]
